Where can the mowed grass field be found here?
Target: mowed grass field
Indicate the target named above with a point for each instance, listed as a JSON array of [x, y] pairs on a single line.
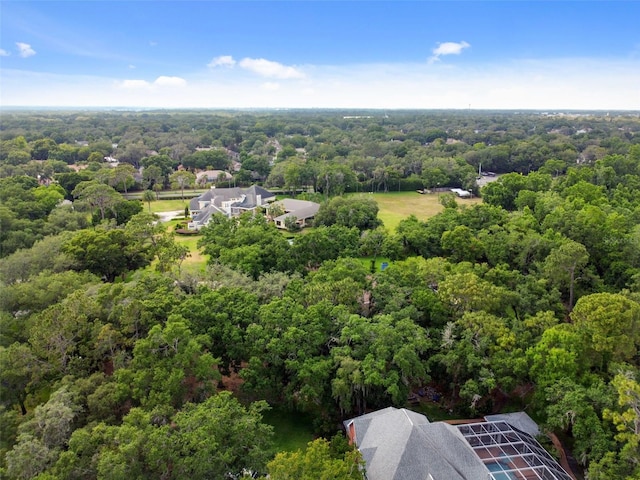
[[393, 207], [396, 206], [196, 261], [166, 205]]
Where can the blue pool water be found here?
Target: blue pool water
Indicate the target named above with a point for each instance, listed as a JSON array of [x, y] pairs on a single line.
[[497, 470]]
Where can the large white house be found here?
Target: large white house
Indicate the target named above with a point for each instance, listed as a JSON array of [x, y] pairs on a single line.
[[230, 202]]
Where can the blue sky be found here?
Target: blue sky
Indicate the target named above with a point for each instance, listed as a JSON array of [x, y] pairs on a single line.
[[327, 54]]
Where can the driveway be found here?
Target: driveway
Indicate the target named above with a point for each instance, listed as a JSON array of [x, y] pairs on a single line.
[[482, 181]]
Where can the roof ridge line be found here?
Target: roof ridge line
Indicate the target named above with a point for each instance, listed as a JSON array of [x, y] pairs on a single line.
[[404, 410]]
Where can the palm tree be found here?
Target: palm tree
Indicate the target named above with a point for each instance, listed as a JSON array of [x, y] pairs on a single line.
[[148, 196]]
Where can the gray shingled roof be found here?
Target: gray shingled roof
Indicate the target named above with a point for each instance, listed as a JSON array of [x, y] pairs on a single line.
[[218, 195], [520, 420], [301, 209], [205, 214], [399, 444]]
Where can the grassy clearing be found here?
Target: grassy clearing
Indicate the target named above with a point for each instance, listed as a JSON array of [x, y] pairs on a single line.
[[166, 205], [196, 261], [169, 194], [366, 261], [292, 430], [396, 206]]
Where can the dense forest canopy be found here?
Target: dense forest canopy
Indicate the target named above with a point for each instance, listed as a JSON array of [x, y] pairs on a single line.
[[116, 362]]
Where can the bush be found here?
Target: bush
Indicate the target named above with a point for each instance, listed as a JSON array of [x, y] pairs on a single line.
[[185, 231]]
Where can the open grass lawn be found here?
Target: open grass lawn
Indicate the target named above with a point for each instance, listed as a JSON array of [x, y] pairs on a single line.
[[292, 430], [169, 194], [197, 261], [166, 205], [396, 206], [366, 261]]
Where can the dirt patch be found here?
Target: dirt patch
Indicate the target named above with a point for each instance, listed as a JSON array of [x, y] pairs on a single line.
[[232, 383], [563, 455]]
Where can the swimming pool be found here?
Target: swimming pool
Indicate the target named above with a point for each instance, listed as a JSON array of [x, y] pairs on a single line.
[[497, 469]]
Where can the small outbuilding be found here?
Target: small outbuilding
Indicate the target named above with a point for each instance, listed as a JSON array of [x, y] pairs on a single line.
[[302, 210]]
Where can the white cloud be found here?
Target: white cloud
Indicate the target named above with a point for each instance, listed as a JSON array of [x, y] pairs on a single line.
[[4, 53], [260, 66], [269, 69], [271, 86], [448, 48], [25, 50], [131, 67], [164, 81], [134, 84], [222, 61], [161, 81], [543, 84]]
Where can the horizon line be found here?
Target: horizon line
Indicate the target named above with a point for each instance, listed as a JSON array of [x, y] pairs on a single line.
[[350, 109]]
